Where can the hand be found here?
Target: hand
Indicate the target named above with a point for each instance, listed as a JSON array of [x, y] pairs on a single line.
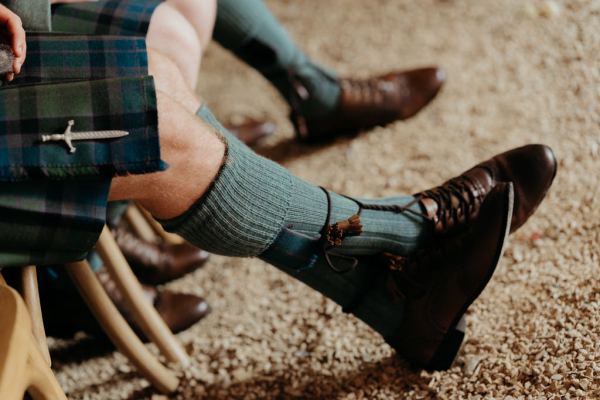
[[13, 28]]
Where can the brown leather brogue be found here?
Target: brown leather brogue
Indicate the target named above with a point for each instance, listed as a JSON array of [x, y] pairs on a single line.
[[531, 169], [437, 284], [252, 132], [442, 281], [366, 103], [179, 311], [157, 263]]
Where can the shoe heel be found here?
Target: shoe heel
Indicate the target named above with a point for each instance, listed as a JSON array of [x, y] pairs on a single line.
[[448, 349]]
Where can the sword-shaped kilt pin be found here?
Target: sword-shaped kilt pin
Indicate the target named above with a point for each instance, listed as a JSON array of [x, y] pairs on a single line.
[[69, 136]]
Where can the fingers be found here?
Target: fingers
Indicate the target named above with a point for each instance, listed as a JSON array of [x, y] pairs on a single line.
[[14, 27]]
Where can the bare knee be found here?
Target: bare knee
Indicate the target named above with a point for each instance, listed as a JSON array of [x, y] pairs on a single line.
[[174, 36]]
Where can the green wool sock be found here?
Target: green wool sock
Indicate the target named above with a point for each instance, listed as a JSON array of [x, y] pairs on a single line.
[[250, 31], [253, 199]]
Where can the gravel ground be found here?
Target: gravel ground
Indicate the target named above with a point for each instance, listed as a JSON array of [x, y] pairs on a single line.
[[518, 72]]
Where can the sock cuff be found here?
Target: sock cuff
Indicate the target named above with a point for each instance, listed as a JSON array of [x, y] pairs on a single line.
[[245, 208]]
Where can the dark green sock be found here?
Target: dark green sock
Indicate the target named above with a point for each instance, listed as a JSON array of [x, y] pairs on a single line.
[[253, 199], [250, 31]]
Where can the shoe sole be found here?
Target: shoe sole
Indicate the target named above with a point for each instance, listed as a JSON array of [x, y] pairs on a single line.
[[449, 347]]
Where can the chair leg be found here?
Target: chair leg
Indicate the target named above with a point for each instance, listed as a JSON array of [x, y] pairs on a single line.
[[142, 311], [139, 224], [31, 295], [42, 382], [24, 368], [118, 330], [167, 237]]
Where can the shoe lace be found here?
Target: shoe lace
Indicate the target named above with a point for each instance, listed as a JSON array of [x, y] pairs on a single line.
[[367, 90], [373, 91], [457, 201]]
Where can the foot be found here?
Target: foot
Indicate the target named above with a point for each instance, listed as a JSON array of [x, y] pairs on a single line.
[[367, 103], [252, 132], [531, 169], [179, 311], [156, 264], [470, 217], [438, 285]]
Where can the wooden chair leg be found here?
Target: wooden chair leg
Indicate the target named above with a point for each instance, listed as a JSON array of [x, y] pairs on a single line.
[[144, 314], [167, 237], [42, 382], [23, 366], [118, 330], [31, 295], [139, 224]]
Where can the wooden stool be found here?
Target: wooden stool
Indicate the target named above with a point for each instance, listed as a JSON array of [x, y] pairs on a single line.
[[22, 365], [117, 329], [112, 322], [144, 314], [109, 318]]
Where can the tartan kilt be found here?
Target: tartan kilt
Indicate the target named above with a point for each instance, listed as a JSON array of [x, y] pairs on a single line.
[[52, 202], [105, 17]]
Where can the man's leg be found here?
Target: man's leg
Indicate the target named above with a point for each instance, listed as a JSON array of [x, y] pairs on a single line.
[[188, 138], [255, 35], [323, 105], [379, 264], [201, 16]]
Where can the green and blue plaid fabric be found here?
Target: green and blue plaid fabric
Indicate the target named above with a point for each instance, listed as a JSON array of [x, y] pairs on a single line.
[[52, 202], [68, 57], [126, 102], [45, 222], [104, 17]]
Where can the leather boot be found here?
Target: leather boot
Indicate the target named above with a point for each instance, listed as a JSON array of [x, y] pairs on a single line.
[[179, 310], [65, 313], [439, 284], [158, 263], [252, 132], [531, 169], [470, 216], [367, 103]]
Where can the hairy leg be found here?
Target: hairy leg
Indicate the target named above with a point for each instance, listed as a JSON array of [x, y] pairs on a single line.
[[194, 153]]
